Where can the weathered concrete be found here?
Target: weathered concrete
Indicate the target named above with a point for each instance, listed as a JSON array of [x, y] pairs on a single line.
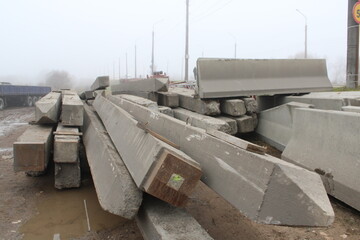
[[275, 124], [153, 96], [115, 188], [168, 99], [160, 221], [66, 145], [232, 123], [251, 105], [188, 101], [89, 95], [201, 121], [156, 167], [219, 78], [72, 113], [242, 177], [245, 124], [140, 85], [351, 109], [32, 149], [67, 175], [233, 107], [100, 83], [327, 142], [141, 101], [166, 110], [47, 109]]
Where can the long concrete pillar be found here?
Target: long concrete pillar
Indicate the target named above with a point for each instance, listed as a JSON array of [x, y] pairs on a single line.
[[115, 188], [100, 83], [352, 68], [264, 188], [156, 167], [47, 109], [72, 113]]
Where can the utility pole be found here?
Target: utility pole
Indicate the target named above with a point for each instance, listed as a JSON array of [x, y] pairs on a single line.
[[152, 52], [306, 27], [187, 43], [235, 44], [126, 66], [119, 70], [135, 63], [113, 70]]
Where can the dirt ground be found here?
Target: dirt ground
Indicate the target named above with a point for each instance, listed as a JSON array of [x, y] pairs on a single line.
[[31, 208]]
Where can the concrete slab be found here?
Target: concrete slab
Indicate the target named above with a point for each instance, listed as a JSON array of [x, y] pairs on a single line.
[[351, 109], [233, 107], [115, 188], [141, 101], [47, 109], [168, 99], [232, 123], [246, 175], [201, 121], [327, 142], [67, 175], [32, 149], [188, 101], [140, 85], [159, 220], [275, 124], [72, 113], [156, 167], [166, 110], [219, 78], [100, 83]]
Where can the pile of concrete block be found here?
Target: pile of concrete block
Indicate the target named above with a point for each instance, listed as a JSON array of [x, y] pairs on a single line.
[[101, 83]]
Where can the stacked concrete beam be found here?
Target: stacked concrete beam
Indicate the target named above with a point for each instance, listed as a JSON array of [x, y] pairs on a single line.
[[66, 157], [201, 121], [115, 188], [188, 101], [100, 83], [32, 149], [233, 107], [168, 99], [141, 101], [158, 220], [166, 110], [156, 167], [232, 123], [327, 142], [251, 105], [351, 109], [47, 109], [72, 113], [263, 188], [275, 124]]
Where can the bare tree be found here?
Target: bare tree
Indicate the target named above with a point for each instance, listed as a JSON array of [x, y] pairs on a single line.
[[59, 80]]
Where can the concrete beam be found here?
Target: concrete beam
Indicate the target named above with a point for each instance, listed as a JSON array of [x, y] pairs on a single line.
[[188, 101], [168, 99], [245, 124], [66, 144], [115, 188], [232, 123], [233, 107], [141, 101], [67, 175], [140, 85], [201, 121], [156, 167], [242, 177], [251, 105], [32, 149], [153, 96], [100, 83], [47, 109], [166, 110], [158, 220], [219, 78], [351, 109], [327, 142], [72, 113]]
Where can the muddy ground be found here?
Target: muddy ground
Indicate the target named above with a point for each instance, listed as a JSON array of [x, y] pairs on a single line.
[[30, 208]]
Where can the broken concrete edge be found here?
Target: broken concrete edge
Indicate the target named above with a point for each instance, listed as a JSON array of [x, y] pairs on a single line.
[[115, 188]]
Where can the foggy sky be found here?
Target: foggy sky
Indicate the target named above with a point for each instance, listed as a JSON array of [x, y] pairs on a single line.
[[88, 37]]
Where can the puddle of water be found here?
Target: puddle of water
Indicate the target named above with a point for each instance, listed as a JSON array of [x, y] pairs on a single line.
[[63, 212], [2, 150]]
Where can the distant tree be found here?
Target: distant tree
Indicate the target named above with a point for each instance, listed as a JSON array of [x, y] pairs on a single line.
[[59, 80]]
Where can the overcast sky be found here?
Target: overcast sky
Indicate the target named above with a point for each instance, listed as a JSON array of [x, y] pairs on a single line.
[[88, 37]]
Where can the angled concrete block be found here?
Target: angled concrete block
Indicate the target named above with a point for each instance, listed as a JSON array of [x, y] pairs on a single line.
[[168, 99], [327, 142], [245, 124], [166, 110], [159, 220], [115, 188], [233, 107], [47, 109], [72, 113], [32, 149], [100, 83], [140, 85], [275, 124], [246, 175], [188, 101], [67, 175], [201, 121], [156, 167]]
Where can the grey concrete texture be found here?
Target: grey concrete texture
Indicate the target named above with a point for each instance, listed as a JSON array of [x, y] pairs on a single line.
[[47, 109], [201, 121], [242, 177], [246, 124], [327, 142], [67, 175], [232, 123], [66, 148], [153, 96], [87, 95], [32, 149], [251, 105], [275, 124], [72, 113], [166, 110], [115, 188], [188, 101], [233, 107], [100, 83], [325, 100], [168, 99], [160, 221], [219, 78], [140, 85], [351, 109], [141, 101], [141, 152]]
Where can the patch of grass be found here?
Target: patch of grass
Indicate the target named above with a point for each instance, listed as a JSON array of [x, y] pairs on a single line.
[[345, 89]]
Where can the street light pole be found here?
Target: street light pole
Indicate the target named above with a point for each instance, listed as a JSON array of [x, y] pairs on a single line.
[[306, 27], [187, 43], [235, 45]]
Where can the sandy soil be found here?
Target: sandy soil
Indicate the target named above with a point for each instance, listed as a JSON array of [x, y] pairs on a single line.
[[30, 208]]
